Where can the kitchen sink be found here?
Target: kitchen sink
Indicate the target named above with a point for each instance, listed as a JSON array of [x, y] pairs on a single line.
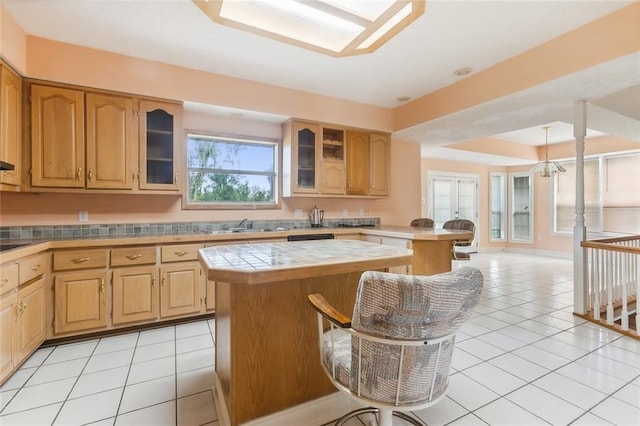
[[8, 246]]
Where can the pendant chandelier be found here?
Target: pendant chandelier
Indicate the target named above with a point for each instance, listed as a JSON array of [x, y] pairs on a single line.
[[547, 168]]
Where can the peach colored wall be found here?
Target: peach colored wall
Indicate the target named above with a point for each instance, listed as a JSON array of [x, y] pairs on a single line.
[[604, 39], [592, 146], [498, 147], [13, 42], [62, 62], [404, 203]]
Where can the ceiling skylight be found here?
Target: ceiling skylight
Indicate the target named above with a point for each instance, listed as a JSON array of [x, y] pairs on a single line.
[[332, 27]]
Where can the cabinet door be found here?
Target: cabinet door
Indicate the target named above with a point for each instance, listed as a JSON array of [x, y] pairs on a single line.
[[10, 125], [135, 294], [180, 290], [333, 178], [31, 317], [357, 163], [109, 142], [306, 158], [211, 295], [379, 164], [160, 125], [80, 301], [8, 323], [57, 137]]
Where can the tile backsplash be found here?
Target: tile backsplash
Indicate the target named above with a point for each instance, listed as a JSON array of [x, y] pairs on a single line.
[[63, 232]]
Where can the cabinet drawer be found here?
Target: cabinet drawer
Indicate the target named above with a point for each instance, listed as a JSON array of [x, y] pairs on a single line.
[[8, 277], [32, 267], [85, 259], [176, 253], [396, 242], [133, 256]]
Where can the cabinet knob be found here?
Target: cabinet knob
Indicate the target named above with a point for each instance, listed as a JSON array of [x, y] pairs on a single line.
[[78, 173], [181, 253], [90, 175], [153, 280], [102, 285], [35, 268], [164, 281], [81, 259], [6, 280], [133, 256], [175, 178]]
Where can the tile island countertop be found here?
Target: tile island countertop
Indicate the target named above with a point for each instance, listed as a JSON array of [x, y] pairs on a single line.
[[268, 262]]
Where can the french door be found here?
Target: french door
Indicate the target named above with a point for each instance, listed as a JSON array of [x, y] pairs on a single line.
[[453, 197]]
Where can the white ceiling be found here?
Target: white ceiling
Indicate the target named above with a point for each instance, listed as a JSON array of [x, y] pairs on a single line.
[[451, 34]]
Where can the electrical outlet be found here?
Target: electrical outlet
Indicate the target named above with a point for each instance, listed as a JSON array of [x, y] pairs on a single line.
[[297, 213], [83, 216], [345, 212], [361, 212]]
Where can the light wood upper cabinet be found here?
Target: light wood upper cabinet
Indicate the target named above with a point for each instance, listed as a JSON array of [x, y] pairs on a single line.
[[379, 163], [306, 158], [333, 177], [110, 141], [57, 137], [357, 163], [10, 127], [160, 129]]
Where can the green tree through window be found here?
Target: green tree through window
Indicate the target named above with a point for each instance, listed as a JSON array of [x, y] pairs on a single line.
[[225, 170]]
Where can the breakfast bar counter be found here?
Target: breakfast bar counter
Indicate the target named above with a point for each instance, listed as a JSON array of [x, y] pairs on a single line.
[[267, 357]]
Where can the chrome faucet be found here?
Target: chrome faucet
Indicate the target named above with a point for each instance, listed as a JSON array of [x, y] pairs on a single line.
[[245, 223]]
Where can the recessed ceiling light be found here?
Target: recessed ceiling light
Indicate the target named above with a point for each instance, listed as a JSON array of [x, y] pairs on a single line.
[[402, 98], [333, 27], [462, 71]]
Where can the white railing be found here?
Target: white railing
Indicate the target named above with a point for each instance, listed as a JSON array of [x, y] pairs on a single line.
[[613, 280]]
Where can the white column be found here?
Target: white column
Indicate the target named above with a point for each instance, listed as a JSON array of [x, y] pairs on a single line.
[[580, 290]]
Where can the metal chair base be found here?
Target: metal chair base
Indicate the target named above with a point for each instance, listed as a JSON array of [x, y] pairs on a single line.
[[351, 414]]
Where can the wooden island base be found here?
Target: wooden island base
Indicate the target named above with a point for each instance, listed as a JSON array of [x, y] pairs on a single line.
[[271, 331]]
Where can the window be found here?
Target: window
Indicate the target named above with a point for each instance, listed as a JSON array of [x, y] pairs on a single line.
[[497, 206], [611, 193], [521, 208], [231, 172]]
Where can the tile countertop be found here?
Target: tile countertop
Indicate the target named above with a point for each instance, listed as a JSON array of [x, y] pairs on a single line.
[[37, 246], [258, 263]]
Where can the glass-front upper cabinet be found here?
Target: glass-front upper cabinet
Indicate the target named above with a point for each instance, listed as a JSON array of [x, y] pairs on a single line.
[[306, 164], [159, 130]]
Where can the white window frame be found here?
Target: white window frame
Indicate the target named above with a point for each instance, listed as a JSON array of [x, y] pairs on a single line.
[[227, 205], [502, 208], [530, 208]]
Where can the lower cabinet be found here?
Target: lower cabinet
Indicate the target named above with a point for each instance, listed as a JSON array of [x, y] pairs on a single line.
[[392, 241], [31, 313], [8, 320], [135, 295], [181, 290], [80, 301], [22, 311], [146, 294]]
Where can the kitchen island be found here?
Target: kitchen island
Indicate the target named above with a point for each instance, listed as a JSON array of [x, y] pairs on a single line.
[[266, 356]]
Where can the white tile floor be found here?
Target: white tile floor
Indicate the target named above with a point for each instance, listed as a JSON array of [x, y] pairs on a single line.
[[523, 359]]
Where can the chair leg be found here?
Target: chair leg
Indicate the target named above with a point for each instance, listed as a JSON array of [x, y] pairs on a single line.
[[385, 417]]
